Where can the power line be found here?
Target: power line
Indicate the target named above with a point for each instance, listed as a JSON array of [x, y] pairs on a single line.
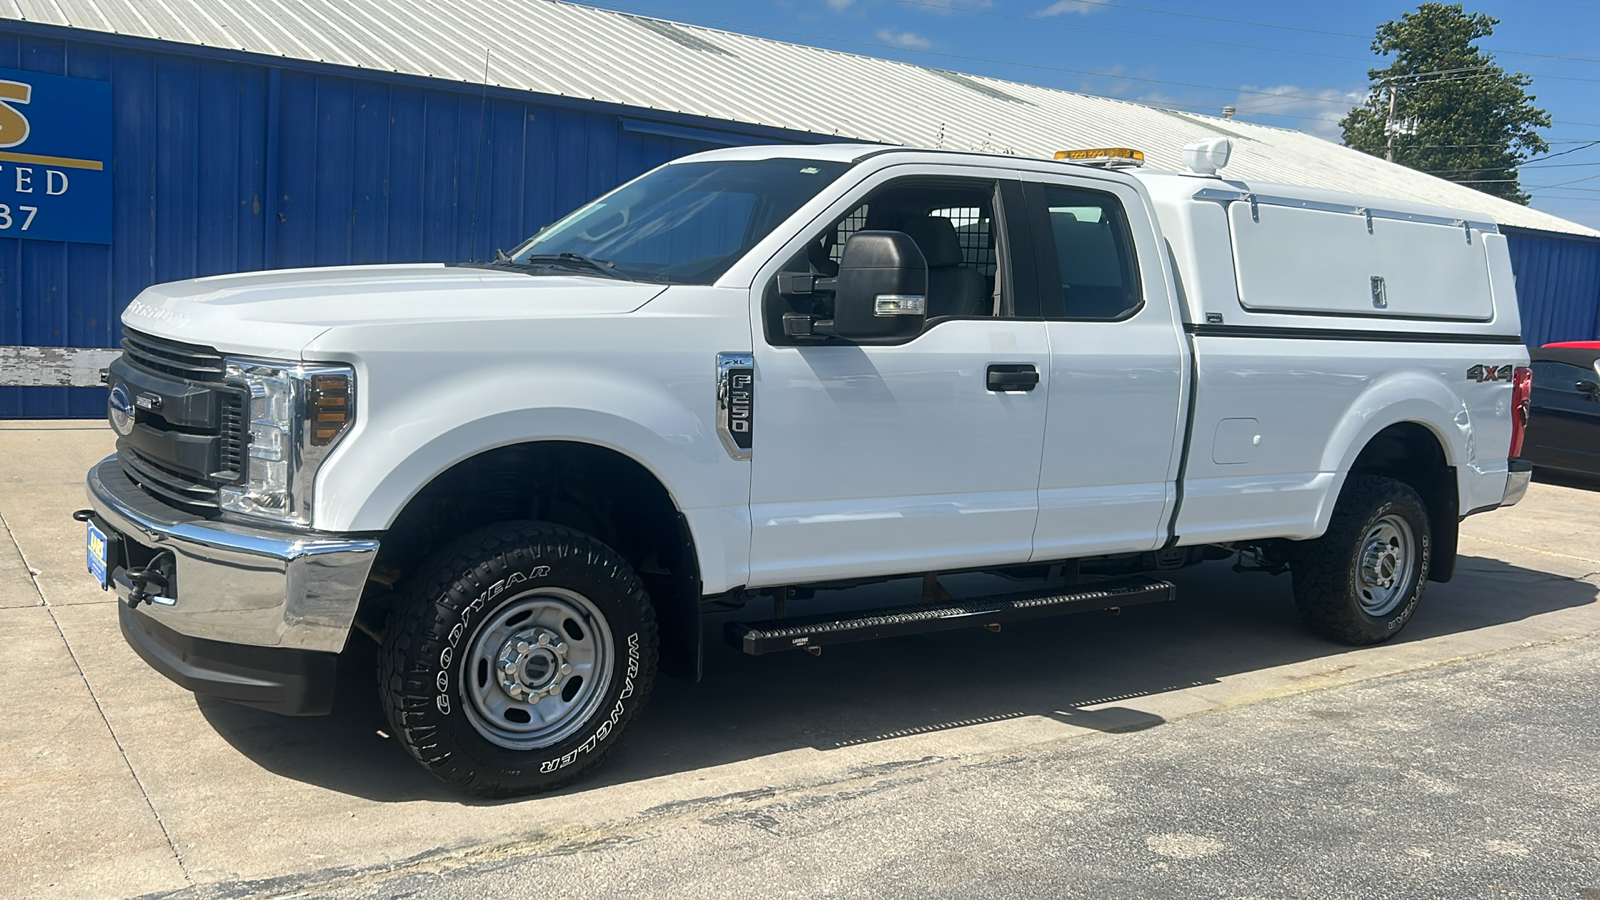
[[1565, 152], [1343, 34], [1168, 12], [999, 62], [1573, 181], [1454, 146], [1084, 25], [1519, 168], [928, 4]]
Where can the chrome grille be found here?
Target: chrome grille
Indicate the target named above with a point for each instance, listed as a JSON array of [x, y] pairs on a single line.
[[189, 361]]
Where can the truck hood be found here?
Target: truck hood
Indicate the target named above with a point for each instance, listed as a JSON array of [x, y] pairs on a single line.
[[276, 314]]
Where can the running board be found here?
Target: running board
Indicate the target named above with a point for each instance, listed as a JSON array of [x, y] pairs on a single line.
[[811, 632]]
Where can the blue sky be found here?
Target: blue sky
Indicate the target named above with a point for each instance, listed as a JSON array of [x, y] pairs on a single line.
[[1293, 64]]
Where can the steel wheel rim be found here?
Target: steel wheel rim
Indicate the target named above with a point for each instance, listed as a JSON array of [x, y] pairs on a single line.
[[1385, 564], [535, 671]]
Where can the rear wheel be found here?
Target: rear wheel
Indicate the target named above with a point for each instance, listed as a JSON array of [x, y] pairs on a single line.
[[1361, 581], [516, 657]]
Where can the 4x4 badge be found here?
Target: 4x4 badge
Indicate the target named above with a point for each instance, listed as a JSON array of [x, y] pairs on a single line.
[[1489, 372]]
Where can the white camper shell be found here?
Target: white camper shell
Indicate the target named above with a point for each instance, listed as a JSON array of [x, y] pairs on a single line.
[[1274, 254]]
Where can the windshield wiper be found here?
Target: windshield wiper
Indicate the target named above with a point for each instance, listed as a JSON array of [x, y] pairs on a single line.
[[602, 266]]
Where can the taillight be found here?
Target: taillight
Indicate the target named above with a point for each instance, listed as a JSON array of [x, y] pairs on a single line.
[[1521, 397]]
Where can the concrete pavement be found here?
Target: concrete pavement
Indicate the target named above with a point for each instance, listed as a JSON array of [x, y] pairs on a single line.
[[118, 783]]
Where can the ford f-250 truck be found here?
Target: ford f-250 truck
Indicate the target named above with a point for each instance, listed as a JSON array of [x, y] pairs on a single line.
[[753, 372]]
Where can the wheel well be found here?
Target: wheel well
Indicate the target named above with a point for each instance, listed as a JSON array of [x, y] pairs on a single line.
[[1409, 452], [592, 489]]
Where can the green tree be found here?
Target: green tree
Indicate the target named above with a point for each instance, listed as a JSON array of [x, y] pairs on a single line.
[[1443, 106]]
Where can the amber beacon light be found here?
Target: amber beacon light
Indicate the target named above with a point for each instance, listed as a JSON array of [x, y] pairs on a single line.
[[1106, 156]]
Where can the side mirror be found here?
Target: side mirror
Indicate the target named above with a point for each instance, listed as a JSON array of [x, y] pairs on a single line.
[[882, 289], [1591, 388]]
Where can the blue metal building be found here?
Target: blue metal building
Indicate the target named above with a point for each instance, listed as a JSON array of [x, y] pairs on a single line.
[[226, 163], [1558, 285], [293, 133]]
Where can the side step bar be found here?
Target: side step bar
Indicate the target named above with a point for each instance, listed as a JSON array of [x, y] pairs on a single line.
[[810, 632]]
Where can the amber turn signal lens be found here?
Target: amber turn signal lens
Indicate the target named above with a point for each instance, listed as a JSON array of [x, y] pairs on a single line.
[[329, 402]]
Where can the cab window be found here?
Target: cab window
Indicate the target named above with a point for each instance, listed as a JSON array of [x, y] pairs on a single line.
[[954, 222], [1094, 276]]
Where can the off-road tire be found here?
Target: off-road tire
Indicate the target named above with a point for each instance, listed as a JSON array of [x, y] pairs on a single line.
[[437, 617], [1327, 571]]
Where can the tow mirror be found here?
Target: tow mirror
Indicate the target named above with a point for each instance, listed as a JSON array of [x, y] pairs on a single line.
[[882, 288]]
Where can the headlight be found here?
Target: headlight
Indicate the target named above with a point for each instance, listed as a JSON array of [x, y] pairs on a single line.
[[297, 413]]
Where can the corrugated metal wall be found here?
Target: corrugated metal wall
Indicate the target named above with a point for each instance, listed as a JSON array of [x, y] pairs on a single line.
[[226, 165], [1558, 285]]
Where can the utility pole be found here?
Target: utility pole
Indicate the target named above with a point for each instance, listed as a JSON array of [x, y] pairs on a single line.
[[1389, 155]]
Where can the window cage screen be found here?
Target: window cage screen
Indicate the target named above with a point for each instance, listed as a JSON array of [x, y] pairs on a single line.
[[974, 232]]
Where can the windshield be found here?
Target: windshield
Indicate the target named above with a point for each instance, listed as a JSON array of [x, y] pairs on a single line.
[[681, 224]]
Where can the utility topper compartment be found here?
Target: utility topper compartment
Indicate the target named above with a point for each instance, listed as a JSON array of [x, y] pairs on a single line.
[[1315, 258]]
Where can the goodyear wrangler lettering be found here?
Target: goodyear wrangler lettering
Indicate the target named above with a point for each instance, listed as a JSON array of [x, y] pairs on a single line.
[[604, 731]]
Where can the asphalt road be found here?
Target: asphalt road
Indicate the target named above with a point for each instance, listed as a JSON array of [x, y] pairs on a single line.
[[1476, 779]]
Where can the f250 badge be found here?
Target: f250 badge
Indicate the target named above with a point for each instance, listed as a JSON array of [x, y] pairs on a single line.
[[736, 400], [1490, 372]]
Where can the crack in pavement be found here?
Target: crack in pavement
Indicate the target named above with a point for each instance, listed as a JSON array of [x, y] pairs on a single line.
[[33, 578]]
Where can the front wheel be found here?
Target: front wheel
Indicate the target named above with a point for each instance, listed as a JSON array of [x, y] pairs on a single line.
[[1361, 581], [516, 657]]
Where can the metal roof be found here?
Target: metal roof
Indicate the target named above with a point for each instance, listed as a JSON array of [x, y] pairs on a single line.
[[576, 51]]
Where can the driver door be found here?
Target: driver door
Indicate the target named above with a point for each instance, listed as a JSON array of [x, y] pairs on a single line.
[[882, 460]]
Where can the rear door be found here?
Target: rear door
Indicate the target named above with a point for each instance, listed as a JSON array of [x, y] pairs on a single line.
[[1113, 438]]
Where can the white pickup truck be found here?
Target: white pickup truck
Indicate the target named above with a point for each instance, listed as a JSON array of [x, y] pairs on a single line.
[[753, 372]]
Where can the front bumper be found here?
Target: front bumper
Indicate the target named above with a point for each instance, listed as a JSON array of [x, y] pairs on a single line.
[[234, 584]]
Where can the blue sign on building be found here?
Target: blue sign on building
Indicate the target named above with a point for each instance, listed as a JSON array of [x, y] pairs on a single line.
[[55, 158]]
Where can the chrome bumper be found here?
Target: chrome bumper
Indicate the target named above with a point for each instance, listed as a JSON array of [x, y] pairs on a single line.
[[1519, 473], [234, 583]]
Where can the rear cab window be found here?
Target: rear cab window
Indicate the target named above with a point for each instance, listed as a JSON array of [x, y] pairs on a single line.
[[1088, 267]]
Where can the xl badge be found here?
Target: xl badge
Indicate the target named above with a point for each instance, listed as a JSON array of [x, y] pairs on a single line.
[[1490, 372], [121, 410]]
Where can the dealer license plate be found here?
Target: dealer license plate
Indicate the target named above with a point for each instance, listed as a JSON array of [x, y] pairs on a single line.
[[97, 555]]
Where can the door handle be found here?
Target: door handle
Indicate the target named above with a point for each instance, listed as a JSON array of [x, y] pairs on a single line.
[[1012, 377]]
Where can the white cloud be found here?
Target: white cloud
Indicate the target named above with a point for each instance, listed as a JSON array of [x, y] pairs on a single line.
[[839, 5], [1080, 7], [1315, 110], [909, 39]]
